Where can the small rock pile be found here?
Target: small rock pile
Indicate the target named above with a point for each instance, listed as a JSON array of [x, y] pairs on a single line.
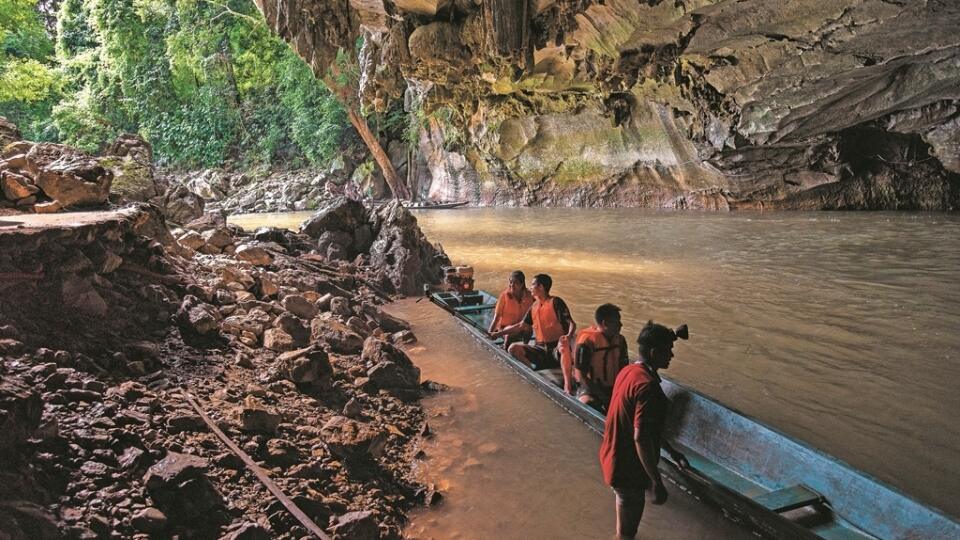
[[287, 350], [48, 177]]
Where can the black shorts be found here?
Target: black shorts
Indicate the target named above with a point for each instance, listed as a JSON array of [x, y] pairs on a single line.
[[542, 355], [521, 337]]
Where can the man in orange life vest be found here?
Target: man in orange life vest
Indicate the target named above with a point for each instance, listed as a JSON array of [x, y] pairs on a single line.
[[550, 319], [633, 433], [601, 353], [514, 302]]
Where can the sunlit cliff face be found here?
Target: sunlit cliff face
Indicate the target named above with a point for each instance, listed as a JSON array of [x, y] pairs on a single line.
[[786, 103]]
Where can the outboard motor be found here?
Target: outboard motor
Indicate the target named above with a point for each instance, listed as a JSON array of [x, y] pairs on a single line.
[[458, 278]]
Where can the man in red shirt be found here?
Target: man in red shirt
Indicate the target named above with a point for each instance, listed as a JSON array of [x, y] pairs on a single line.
[[633, 433]]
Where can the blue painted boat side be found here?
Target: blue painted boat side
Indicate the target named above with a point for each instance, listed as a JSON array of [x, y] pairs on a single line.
[[774, 460]]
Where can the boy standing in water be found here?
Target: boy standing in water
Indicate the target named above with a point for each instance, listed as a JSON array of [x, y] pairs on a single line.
[[633, 433]]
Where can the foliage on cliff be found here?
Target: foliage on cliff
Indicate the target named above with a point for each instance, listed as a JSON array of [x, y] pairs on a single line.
[[204, 82]]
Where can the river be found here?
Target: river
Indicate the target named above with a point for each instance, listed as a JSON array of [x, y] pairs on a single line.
[[840, 329]]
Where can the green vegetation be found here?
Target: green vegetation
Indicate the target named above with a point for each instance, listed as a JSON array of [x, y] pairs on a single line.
[[203, 81]]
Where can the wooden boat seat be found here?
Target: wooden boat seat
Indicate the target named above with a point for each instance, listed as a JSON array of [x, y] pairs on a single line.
[[789, 498], [470, 309]]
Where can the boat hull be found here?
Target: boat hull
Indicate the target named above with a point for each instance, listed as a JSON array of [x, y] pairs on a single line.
[[777, 485]]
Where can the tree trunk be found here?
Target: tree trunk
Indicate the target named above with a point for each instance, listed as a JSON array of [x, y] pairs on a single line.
[[383, 160]]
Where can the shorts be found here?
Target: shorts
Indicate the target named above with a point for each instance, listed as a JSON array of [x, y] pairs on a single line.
[[630, 496], [522, 337], [603, 394], [542, 355]]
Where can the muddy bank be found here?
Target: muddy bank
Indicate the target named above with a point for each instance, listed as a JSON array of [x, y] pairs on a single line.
[[109, 319]]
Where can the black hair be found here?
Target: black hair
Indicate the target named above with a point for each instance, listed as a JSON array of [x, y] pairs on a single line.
[[544, 280], [606, 312], [517, 275], [654, 336]]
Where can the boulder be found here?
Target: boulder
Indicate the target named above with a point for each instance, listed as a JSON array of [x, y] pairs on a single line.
[[276, 339], [390, 369], [340, 307], [282, 452], [180, 488], [211, 219], [180, 205], [131, 162], [308, 365], [340, 338], [400, 248], [340, 214], [218, 238], [50, 207], [69, 176], [20, 412], [133, 146], [299, 306], [81, 297], [16, 186], [256, 418], [18, 148], [192, 240], [254, 255], [356, 526], [149, 520], [294, 327], [197, 318], [387, 322], [349, 439]]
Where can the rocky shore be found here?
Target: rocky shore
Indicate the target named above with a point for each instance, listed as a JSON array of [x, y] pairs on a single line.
[[124, 343]]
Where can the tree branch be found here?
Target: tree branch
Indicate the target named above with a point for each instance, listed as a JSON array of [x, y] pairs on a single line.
[[227, 10]]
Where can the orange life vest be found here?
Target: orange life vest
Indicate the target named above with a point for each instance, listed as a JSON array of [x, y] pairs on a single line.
[[546, 325], [510, 310], [605, 360]]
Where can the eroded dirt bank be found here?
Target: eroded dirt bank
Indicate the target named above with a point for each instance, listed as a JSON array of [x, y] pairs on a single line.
[[108, 320]]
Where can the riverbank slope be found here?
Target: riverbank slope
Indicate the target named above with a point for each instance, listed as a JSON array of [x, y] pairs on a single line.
[[111, 325]]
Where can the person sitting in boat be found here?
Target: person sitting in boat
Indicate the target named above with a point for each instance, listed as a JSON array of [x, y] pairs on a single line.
[[634, 429], [601, 352], [514, 302], [549, 318]]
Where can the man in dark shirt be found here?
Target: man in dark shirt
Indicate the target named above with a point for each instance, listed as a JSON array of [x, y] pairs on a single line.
[[633, 433]]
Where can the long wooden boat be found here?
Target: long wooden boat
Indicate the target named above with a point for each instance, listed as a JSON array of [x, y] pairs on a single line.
[[436, 206], [778, 486]]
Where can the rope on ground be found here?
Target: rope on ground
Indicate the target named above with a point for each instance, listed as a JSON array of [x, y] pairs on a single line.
[[257, 471]]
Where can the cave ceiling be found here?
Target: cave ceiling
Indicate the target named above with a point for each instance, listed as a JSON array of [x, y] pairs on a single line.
[[751, 84]]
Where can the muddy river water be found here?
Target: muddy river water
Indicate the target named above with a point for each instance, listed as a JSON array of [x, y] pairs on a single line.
[[840, 329]]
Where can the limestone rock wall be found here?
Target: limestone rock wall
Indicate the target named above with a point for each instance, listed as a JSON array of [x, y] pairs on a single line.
[[692, 103]]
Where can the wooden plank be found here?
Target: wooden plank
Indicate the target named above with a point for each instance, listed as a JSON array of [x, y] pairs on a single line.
[[789, 498], [257, 471]]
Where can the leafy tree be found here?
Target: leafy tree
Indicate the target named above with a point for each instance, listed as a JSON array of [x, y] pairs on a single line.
[[28, 84], [204, 81]]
